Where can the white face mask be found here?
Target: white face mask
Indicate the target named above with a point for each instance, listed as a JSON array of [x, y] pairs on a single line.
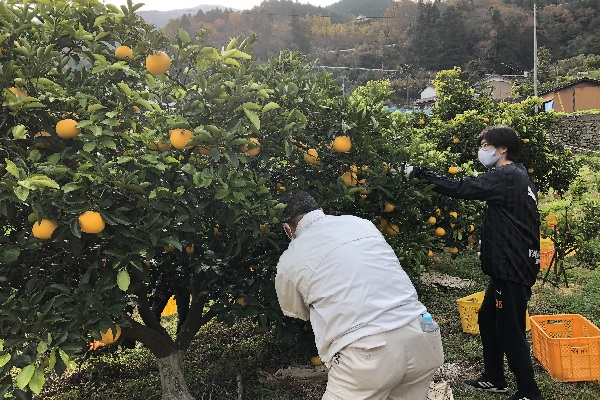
[[487, 157]]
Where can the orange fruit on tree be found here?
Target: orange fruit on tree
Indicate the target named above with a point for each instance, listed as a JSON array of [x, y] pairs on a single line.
[[432, 220], [169, 248], [530, 170], [556, 196], [421, 121], [67, 128], [364, 189], [471, 240], [189, 249], [430, 253], [180, 138], [388, 207], [316, 361], [91, 222], [455, 140], [383, 223], [392, 229], [159, 145], [526, 140], [362, 200], [349, 179], [438, 212], [158, 63], [42, 144], [44, 229], [312, 157], [453, 250], [453, 214], [453, 170], [342, 144], [486, 119], [204, 150], [471, 228], [253, 151], [123, 52], [108, 337], [439, 231]]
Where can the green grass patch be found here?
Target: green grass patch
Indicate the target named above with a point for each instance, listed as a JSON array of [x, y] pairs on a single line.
[[220, 354]]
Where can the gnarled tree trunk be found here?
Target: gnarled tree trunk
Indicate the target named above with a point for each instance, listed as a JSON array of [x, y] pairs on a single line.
[[172, 380]]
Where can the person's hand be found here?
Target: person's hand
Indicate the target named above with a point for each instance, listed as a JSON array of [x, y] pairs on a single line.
[[408, 169]]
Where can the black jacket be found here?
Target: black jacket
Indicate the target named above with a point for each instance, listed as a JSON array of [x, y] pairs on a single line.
[[510, 233]]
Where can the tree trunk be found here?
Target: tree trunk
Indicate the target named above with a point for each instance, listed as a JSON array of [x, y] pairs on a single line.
[[171, 377]]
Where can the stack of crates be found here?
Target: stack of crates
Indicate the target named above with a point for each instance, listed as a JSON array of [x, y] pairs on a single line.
[[468, 307], [568, 346]]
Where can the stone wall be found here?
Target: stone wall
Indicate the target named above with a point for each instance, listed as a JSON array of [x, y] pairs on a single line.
[[579, 131]]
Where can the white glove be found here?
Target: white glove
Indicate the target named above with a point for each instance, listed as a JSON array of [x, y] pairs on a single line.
[[408, 170]]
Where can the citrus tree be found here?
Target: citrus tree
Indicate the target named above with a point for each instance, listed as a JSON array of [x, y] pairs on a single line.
[[132, 163], [446, 142]]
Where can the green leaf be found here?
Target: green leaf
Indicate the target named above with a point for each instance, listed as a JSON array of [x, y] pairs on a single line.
[[11, 255], [270, 106], [123, 280], [37, 381], [251, 106], [231, 61], [69, 187], [42, 347], [11, 168], [24, 376], [184, 36], [125, 88], [43, 181], [19, 132], [89, 146], [21, 193], [253, 117], [4, 360], [95, 107]]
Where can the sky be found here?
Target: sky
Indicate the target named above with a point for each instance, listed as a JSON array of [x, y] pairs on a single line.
[[163, 5]]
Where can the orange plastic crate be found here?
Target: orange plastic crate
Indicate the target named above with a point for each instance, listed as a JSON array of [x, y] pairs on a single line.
[[546, 258], [468, 307], [568, 346]]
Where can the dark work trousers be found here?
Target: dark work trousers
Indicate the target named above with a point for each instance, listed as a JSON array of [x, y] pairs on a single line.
[[502, 327]]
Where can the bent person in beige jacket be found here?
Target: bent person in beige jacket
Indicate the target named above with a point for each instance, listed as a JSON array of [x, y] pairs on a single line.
[[340, 273]]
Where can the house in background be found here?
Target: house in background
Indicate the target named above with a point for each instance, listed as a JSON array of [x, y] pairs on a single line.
[[428, 98], [583, 94], [500, 87]]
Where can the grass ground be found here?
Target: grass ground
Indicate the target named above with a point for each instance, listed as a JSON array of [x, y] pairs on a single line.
[[220, 354]]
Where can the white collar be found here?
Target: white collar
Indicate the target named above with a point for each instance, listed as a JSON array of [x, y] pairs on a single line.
[[308, 219]]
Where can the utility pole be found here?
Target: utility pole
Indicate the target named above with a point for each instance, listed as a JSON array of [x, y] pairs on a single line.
[[535, 57]]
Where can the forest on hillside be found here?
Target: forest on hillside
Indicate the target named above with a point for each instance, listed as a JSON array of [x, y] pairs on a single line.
[[410, 41]]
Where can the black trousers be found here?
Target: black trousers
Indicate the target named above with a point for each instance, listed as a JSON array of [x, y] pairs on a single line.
[[502, 327]]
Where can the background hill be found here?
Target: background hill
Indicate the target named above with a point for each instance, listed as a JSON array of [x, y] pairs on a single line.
[[408, 42], [371, 8], [161, 18]]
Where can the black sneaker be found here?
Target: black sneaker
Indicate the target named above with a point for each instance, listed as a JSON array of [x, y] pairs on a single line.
[[484, 384], [518, 396]]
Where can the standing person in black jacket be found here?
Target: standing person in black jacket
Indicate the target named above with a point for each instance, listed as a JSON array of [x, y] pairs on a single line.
[[510, 255]]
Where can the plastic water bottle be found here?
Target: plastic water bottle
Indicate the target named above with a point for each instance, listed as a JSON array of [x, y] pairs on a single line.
[[428, 324]]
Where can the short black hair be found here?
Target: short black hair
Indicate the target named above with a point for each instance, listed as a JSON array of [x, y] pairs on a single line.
[[501, 136], [297, 202]]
